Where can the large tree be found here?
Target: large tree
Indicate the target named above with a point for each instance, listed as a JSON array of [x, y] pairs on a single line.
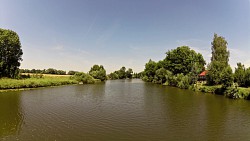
[[182, 60], [98, 72], [129, 73], [10, 53], [150, 70], [122, 73], [219, 61]]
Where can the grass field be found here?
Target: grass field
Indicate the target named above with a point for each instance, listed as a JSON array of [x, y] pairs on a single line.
[[36, 81]]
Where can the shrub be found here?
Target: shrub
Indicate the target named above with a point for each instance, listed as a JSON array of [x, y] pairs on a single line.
[[83, 78]]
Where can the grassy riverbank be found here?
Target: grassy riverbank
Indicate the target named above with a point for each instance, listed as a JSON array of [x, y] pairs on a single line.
[[231, 92], [36, 81]]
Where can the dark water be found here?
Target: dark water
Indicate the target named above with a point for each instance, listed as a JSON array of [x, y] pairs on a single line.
[[121, 110]]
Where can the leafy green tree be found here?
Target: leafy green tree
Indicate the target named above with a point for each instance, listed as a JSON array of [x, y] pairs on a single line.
[[122, 73], [138, 75], [227, 77], [72, 72], [160, 76], [83, 78], [170, 80], [150, 70], [182, 60], [113, 76], [10, 53], [129, 73], [219, 60], [182, 81], [239, 75], [51, 71], [98, 72], [247, 77]]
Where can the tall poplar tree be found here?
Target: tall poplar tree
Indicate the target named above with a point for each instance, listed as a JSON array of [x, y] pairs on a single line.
[[219, 62]]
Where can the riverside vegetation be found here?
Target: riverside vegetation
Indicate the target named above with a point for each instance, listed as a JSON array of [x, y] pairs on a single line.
[[180, 68]]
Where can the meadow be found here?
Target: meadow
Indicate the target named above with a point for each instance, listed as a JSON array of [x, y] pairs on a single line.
[[35, 81]]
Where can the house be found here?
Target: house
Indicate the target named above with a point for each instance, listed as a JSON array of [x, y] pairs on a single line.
[[202, 76]]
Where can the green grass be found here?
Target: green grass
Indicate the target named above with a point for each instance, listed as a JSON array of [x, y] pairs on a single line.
[[245, 92], [232, 92], [33, 82]]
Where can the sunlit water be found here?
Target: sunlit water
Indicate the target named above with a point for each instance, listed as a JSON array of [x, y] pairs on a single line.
[[121, 110]]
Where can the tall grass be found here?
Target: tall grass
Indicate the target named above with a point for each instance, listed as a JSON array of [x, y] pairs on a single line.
[[34, 82]]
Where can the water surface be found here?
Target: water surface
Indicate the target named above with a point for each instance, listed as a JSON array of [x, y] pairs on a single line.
[[121, 110]]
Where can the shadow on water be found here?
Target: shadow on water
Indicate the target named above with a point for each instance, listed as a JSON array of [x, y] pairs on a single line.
[[11, 116]]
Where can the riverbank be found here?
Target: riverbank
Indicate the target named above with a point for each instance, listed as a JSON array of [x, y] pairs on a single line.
[[231, 92], [35, 82], [31, 81]]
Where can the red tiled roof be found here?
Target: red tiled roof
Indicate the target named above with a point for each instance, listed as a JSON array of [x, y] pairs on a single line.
[[203, 73]]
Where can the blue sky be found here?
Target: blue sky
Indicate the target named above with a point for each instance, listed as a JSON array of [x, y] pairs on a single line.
[[76, 34]]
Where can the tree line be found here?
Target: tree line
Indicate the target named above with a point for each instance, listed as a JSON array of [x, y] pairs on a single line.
[[43, 71], [180, 68], [122, 73]]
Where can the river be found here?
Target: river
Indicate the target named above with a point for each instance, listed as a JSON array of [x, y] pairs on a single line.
[[121, 110]]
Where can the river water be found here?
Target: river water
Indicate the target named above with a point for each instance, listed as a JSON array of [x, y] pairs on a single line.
[[121, 110]]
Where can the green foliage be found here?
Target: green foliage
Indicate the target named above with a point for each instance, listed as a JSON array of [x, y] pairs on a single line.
[[121, 74], [170, 79], [180, 68], [54, 71], [10, 53], [239, 75], [150, 70], [219, 61], [98, 72], [182, 60], [35, 82], [84, 78], [113, 76], [72, 72], [129, 73], [182, 81], [138, 75], [227, 77], [160, 76], [247, 77], [44, 71], [233, 93], [244, 93], [209, 89]]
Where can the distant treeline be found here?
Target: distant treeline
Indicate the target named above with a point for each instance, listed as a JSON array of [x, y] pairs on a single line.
[[47, 71], [122, 73]]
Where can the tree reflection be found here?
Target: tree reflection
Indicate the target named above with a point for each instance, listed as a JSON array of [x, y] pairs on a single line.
[[11, 117]]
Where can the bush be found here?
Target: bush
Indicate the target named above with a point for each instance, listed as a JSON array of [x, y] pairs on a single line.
[[182, 81], [209, 89], [232, 93], [83, 78]]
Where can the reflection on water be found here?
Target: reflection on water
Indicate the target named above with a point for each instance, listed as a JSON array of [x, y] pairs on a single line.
[[11, 116], [121, 110]]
